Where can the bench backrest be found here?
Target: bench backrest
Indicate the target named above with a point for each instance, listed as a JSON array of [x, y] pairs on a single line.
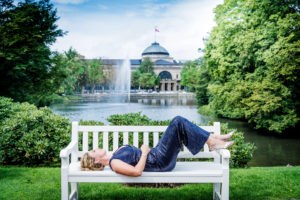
[[111, 137]]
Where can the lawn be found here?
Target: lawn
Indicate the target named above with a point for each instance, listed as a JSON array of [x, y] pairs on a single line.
[[252, 183]]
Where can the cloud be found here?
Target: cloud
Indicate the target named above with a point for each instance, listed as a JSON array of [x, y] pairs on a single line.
[[128, 32], [103, 7], [151, 9]]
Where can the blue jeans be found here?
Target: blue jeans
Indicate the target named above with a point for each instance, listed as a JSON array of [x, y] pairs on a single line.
[[163, 157]]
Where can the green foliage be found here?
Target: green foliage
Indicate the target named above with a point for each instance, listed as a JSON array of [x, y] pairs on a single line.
[[196, 77], [95, 73], [71, 64], [29, 135], [135, 119], [26, 32], [252, 56], [135, 75], [188, 72], [5, 108], [241, 152], [144, 76], [146, 66], [147, 80], [80, 72], [206, 110]]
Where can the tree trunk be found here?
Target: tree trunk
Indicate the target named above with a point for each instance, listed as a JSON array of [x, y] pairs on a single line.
[[93, 88]]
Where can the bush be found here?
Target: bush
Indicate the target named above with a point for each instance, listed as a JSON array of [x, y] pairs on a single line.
[[5, 108], [29, 135], [241, 151]]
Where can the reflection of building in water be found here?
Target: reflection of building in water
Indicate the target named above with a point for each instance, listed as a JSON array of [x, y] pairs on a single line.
[[165, 66]]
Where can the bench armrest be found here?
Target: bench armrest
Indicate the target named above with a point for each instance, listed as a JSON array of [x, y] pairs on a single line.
[[225, 153], [66, 151]]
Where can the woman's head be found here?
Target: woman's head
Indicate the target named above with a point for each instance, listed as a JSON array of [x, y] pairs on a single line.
[[94, 160]]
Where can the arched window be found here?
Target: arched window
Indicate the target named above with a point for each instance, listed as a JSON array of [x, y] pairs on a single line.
[[165, 75]]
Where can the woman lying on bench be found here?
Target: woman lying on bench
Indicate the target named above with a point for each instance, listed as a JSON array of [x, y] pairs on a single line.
[[132, 161]]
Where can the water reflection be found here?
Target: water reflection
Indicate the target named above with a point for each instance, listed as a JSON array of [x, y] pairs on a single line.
[[271, 150]]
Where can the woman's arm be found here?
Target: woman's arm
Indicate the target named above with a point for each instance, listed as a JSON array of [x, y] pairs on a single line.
[[129, 170]]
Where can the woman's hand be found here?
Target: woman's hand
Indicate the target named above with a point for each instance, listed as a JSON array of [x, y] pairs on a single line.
[[145, 149], [126, 169]]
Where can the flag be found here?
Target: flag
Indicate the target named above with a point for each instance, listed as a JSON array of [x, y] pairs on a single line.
[[156, 29]]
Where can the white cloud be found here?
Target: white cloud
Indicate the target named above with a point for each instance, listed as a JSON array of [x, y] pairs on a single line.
[[103, 7], [182, 27]]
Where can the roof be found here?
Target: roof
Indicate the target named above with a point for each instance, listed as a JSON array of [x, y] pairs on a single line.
[[155, 49], [138, 62]]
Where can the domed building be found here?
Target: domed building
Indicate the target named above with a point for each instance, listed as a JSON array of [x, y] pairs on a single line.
[[165, 66]]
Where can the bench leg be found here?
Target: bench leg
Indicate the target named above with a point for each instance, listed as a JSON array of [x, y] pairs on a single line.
[[64, 190], [74, 190], [217, 189], [225, 186]]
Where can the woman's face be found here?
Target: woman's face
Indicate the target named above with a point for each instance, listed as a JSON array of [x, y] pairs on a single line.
[[97, 154]]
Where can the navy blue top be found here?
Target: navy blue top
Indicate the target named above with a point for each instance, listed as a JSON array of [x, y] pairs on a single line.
[[131, 155]]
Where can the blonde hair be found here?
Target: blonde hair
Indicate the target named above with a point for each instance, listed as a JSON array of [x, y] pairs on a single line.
[[88, 163]]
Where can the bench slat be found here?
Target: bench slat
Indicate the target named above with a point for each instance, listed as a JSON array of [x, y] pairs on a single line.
[[95, 140], [206, 148], [146, 138], [105, 140], [85, 140], [125, 138], [155, 138], [135, 128], [122, 128], [135, 139], [116, 141]]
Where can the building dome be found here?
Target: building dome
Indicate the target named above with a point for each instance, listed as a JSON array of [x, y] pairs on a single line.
[[155, 49]]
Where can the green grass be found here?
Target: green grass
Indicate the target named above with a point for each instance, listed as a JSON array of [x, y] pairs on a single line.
[[252, 183]]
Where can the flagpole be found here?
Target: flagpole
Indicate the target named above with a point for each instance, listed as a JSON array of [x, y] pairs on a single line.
[[154, 34], [155, 30]]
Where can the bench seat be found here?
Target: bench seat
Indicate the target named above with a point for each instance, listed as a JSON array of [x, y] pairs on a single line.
[[186, 172]]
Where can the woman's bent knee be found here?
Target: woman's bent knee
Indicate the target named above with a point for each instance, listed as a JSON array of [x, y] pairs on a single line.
[[178, 119]]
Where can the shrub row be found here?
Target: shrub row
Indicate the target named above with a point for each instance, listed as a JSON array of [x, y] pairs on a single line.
[[30, 136]]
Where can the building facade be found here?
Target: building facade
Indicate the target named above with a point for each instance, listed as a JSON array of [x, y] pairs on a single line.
[[165, 66]]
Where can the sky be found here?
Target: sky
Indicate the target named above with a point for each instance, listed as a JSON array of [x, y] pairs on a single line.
[[119, 29]]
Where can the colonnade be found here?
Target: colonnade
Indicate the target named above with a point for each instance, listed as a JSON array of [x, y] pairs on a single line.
[[169, 85]]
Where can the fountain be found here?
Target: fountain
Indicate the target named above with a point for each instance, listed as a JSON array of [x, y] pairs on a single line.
[[122, 81]]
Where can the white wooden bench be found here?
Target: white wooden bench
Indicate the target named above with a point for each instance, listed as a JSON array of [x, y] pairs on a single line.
[[216, 171]]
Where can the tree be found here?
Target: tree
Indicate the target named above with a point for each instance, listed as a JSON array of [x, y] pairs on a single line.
[[146, 66], [71, 63], [147, 80], [95, 73], [253, 58], [135, 75], [144, 76], [26, 31], [188, 75], [203, 78], [83, 77]]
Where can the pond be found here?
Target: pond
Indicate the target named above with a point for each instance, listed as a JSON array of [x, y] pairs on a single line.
[[271, 150]]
